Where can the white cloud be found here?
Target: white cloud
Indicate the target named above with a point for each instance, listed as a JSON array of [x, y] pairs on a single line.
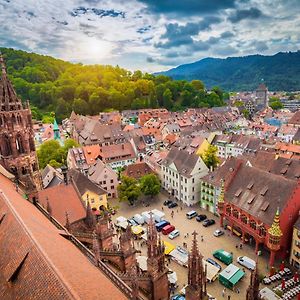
[[126, 33]]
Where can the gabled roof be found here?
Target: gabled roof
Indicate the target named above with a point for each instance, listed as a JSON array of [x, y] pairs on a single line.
[[63, 198], [137, 170], [259, 193], [36, 261], [295, 119], [84, 184], [51, 177], [183, 160]]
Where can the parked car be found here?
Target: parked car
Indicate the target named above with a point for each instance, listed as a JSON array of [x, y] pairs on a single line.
[[159, 226], [178, 297], [167, 202], [213, 262], [191, 214], [132, 222], [201, 218], [172, 205], [168, 229], [218, 232], [246, 262], [174, 234], [208, 222]]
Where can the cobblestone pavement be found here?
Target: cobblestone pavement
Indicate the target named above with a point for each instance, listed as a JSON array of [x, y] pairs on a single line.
[[209, 244]]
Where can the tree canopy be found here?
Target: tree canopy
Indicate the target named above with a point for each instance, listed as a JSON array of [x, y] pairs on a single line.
[[129, 190], [57, 86], [52, 153], [150, 185], [210, 157]]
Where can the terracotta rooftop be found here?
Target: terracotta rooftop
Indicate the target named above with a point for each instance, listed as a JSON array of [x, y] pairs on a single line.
[[63, 198], [116, 151], [91, 153], [37, 262], [137, 170]]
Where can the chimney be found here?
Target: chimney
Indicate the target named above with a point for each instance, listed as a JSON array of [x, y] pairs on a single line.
[[64, 171]]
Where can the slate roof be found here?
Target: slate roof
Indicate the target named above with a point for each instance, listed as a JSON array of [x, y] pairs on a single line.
[[84, 184], [296, 137], [51, 177], [37, 262], [259, 193], [295, 119], [224, 172], [183, 160]]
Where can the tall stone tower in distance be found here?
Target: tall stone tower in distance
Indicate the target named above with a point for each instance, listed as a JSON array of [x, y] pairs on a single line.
[[17, 148]]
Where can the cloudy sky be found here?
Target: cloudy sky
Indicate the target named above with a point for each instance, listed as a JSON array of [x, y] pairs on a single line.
[[150, 35]]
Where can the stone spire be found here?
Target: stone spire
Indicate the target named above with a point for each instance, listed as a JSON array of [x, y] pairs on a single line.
[[90, 218], [17, 147], [253, 289], [275, 229], [8, 98], [67, 221], [96, 248], [196, 289], [156, 264]]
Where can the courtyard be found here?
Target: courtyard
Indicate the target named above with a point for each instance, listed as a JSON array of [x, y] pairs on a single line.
[[209, 244]]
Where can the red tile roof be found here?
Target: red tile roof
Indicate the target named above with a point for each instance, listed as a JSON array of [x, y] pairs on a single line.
[[37, 262], [91, 153], [63, 198], [137, 170]]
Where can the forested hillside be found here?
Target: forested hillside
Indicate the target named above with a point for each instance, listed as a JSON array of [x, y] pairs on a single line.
[[281, 72], [55, 85]]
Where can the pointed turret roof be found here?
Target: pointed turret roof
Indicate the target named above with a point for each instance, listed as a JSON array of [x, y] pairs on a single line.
[[55, 125], [222, 194], [8, 98], [275, 229]]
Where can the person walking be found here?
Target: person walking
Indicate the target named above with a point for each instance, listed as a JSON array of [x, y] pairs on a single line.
[[228, 297], [223, 292]]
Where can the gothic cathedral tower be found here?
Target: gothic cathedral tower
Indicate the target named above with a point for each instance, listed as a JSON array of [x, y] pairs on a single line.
[[17, 148]]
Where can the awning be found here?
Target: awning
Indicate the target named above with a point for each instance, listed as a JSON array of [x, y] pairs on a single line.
[[237, 277], [137, 229], [168, 247]]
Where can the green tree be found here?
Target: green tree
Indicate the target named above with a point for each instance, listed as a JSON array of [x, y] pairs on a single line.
[[246, 113], [47, 152], [276, 105], [150, 185], [197, 84], [167, 99], [129, 190], [210, 157]]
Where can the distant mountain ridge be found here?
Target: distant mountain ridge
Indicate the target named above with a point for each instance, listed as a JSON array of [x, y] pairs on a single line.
[[280, 72]]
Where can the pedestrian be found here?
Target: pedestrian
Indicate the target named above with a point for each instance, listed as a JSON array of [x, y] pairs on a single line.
[[162, 208], [238, 290], [228, 297], [236, 246], [223, 292], [202, 238], [181, 207], [241, 245]]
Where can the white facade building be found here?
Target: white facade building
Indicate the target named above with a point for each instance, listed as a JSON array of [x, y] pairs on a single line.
[[181, 174]]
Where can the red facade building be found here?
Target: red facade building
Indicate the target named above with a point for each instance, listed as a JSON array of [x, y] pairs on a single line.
[[262, 207]]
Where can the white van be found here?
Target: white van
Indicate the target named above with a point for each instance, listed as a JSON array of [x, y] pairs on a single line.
[[191, 214], [246, 262], [174, 234]]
